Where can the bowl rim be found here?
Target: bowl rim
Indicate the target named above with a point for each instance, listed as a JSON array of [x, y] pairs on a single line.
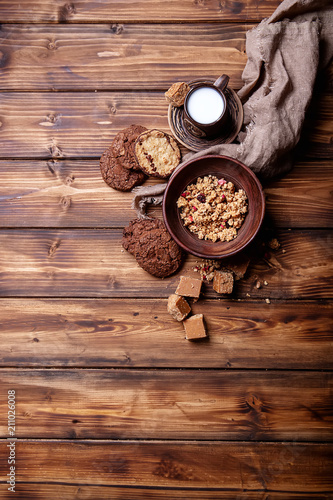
[[210, 157]]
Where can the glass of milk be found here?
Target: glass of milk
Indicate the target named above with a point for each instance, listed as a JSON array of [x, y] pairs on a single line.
[[205, 108]]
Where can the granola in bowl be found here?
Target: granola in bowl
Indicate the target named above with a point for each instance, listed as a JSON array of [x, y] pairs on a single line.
[[212, 208]]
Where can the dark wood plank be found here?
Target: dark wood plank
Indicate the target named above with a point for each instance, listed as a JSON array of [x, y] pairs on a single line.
[[92, 263], [140, 333], [37, 11], [83, 124], [40, 491], [131, 56], [239, 467], [129, 404], [70, 193]]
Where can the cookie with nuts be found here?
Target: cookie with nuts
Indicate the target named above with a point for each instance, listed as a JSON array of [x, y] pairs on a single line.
[[157, 153]]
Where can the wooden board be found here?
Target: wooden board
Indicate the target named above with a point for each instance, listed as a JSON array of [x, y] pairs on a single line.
[[70, 193], [112, 11], [40, 491], [92, 263], [140, 333], [83, 124], [131, 56], [130, 404], [176, 466]]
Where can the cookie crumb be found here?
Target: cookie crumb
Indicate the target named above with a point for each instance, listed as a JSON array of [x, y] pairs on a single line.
[[267, 301], [274, 244], [265, 283], [258, 284]]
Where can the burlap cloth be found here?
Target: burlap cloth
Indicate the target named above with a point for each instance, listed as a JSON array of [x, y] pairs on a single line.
[[284, 55]]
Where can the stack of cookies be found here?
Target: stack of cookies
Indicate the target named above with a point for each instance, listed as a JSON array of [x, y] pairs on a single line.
[[136, 153]]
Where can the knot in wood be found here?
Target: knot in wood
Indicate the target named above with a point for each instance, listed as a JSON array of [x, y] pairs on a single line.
[[70, 7], [53, 248], [65, 202], [55, 150], [117, 28], [254, 402], [112, 109], [52, 46]]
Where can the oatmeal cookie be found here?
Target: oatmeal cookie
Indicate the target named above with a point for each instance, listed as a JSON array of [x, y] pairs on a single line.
[[177, 93], [157, 153], [152, 246], [122, 146], [116, 176]]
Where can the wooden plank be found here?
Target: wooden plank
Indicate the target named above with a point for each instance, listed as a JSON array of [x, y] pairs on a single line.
[[70, 193], [303, 197], [129, 404], [92, 263], [83, 124], [239, 467], [131, 56], [140, 333], [106, 11], [40, 491]]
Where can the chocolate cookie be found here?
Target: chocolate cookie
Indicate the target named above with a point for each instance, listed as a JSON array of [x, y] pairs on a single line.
[[122, 146], [152, 246], [116, 176], [157, 153]]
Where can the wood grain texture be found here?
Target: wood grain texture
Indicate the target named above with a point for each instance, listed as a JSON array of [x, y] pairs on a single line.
[[130, 404], [71, 193], [40, 491], [254, 467], [106, 11], [131, 56], [92, 263], [83, 124], [140, 333]]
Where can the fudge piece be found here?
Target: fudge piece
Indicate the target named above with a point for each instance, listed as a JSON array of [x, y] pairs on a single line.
[[189, 287], [178, 307], [223, 282], [177, 93], [195, 327]]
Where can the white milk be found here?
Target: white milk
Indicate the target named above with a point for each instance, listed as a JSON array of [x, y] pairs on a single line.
[[205, 105]]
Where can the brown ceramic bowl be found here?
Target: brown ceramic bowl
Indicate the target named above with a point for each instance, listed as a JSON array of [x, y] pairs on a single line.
[[231, 170]]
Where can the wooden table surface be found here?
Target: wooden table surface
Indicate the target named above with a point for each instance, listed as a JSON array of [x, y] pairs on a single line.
[[111, 401]]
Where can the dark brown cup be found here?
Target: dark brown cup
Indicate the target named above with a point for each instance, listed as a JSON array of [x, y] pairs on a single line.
[[212, 129]]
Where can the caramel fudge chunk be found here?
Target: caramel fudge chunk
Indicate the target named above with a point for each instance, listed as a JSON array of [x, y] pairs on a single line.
[[189, 287], [195, 327], [177, 93], [157, 153], [178, 307], [223, 282]]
